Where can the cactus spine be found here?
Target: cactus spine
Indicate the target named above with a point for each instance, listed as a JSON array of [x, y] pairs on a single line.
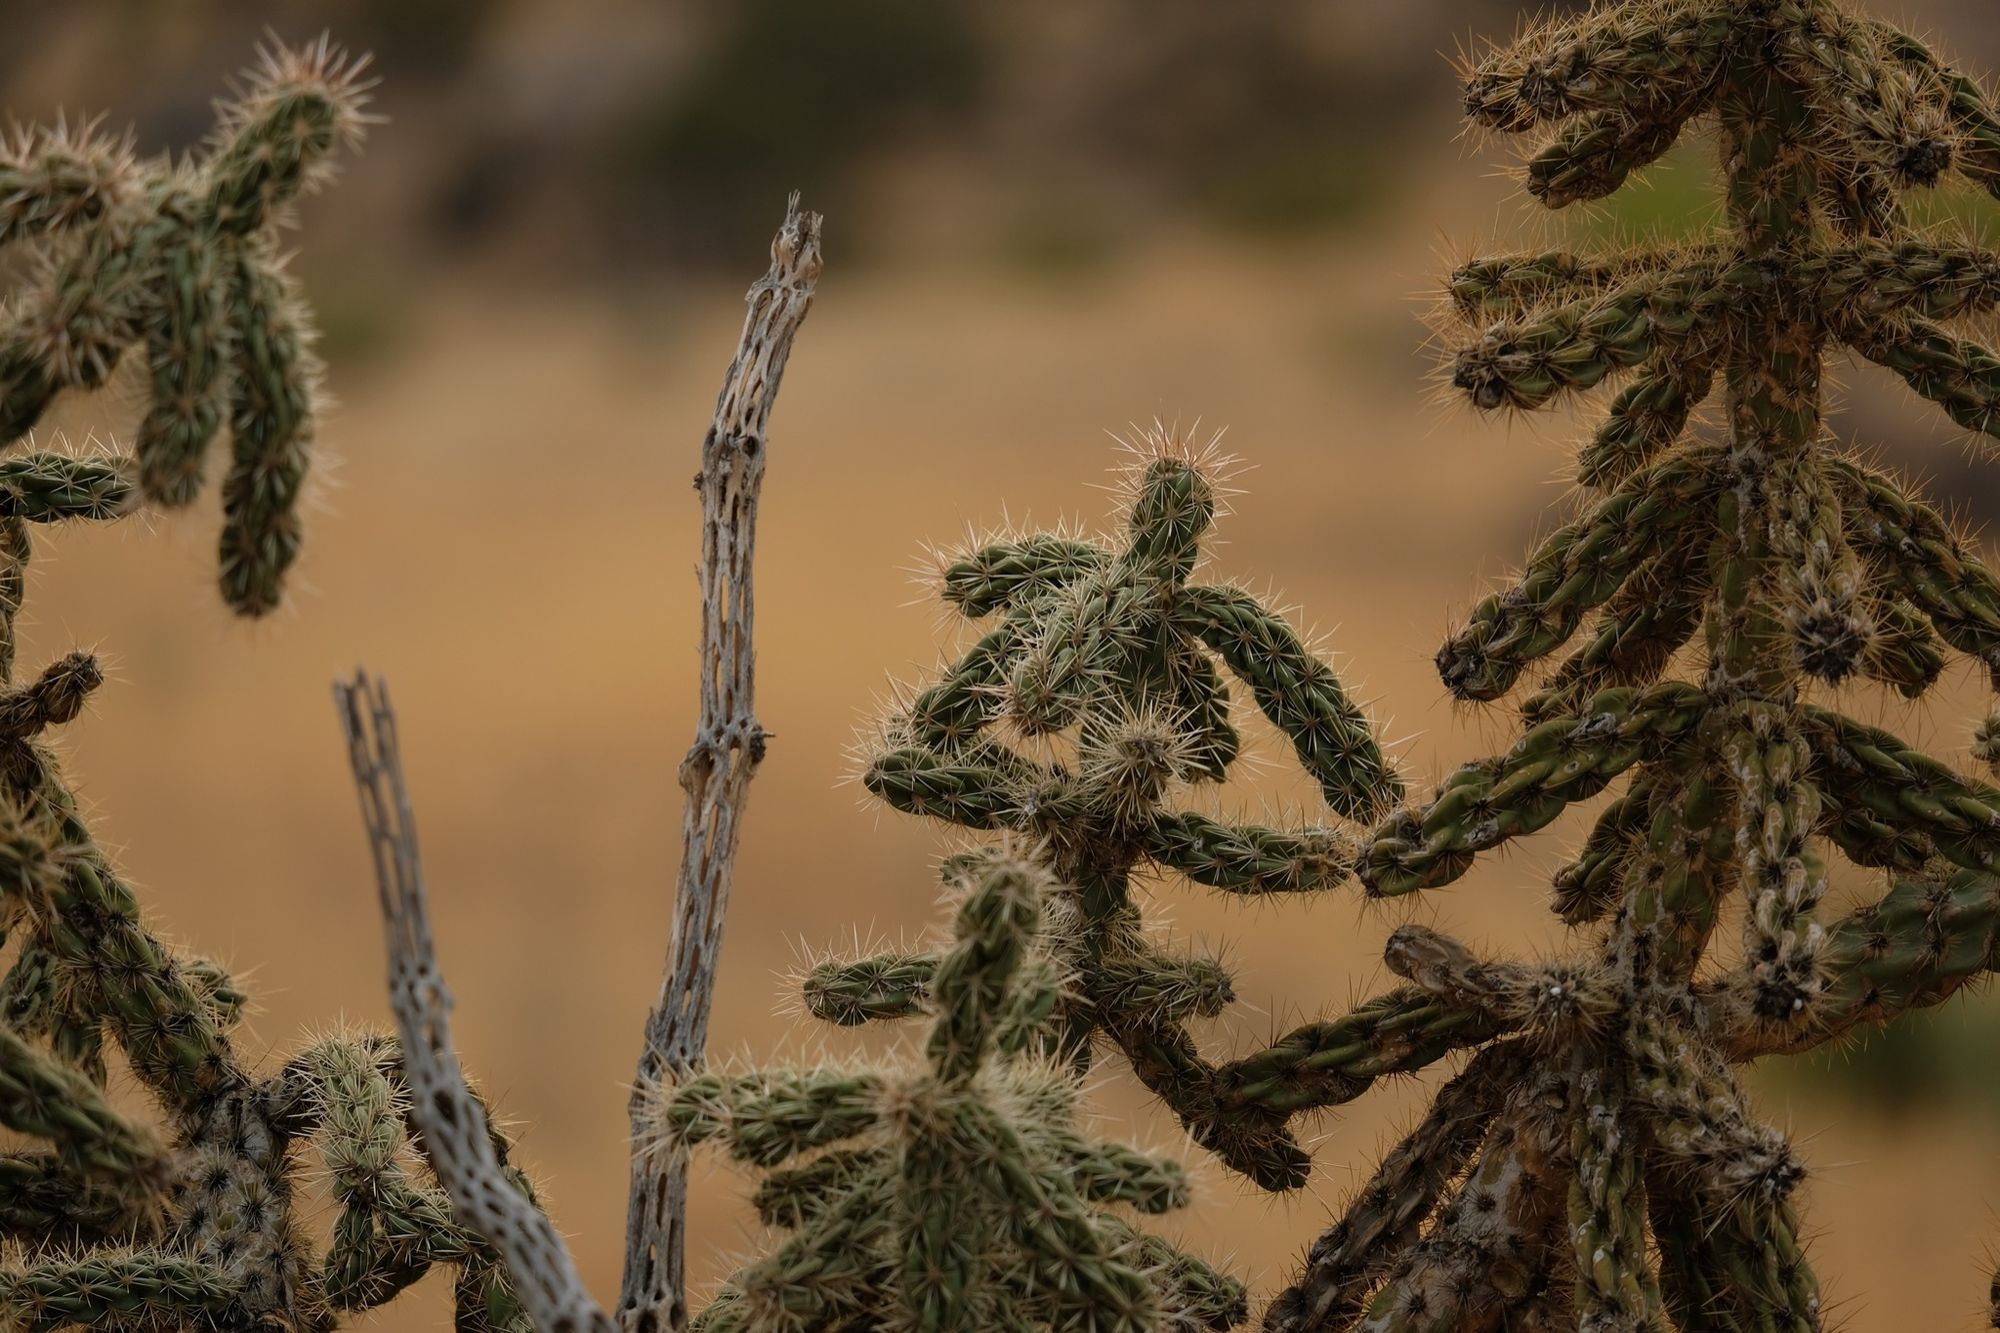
[[104, 1221], [1622, 1181]]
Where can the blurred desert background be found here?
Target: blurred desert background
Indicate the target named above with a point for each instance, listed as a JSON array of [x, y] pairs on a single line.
[[1045, 220]]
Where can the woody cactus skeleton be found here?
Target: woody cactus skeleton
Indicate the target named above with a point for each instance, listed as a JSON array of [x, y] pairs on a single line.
[[1595, 1165], [105, 1222], [1111, 646]]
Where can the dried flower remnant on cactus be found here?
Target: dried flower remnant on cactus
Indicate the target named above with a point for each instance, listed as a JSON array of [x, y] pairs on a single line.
[[105, 1220], [1596, 1165], [956, 1193], [1110, 652]]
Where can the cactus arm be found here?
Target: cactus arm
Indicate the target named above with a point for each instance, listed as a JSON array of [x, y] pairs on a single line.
[[1820, 589], [1652, 616], [1863, 104], [884, 987], [1002, 575], [45, 1098], [49, 488], [172, 1035], [43, 1200], [1075, 650], [134, 1288], [830, 1272], [1577, 346], [1958, 375], [1193, 1294], [1917, 945], [1113, 1173], [1491, 1238], [1911, 547], [1905, 653], [1249, 1138], [1594, 154], [1333, 1061], [950, 713], [1867, 769], [1247, 858], [279, 142], [1299, 694], [1615, 1283], [1580, 567], [1588, 887], [792, 1196], [920, 782], [1541, 999], [1386, 1215], [1198, 696], [1978, 157], [1516, 287], [1614, 59], [1166, 989], [38, 1001], [971, 984], [270, 429], [1644, 420], [188, 344], [770, 1118], [1781, 877], [55, 181], [1882, 280], [1557, 763]]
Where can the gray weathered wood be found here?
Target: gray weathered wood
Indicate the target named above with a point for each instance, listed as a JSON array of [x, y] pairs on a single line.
[[715, 775], [453, 1122]]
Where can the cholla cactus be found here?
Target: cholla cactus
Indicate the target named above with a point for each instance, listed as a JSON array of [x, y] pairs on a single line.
[[1596, 1163], [110, 1222], [1110, 646], [956, 1194], [180, 261]]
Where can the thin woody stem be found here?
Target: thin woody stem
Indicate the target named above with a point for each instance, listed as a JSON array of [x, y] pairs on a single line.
[[728, 747]]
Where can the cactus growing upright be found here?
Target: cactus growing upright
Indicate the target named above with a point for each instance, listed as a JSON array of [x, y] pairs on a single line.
[[108, 1222], [957, 1195], [1596, 1164], [1110, 645]]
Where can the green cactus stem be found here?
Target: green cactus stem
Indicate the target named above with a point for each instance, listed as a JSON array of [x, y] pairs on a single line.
[[1112, 646], [1774, 566], [103, 1222], [953, 1193]]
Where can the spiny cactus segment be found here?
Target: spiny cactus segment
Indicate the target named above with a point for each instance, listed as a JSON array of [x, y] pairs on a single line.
[[1596, 1165], [956, 1194], [178, 263], [1110, 648], [106, 1221]]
